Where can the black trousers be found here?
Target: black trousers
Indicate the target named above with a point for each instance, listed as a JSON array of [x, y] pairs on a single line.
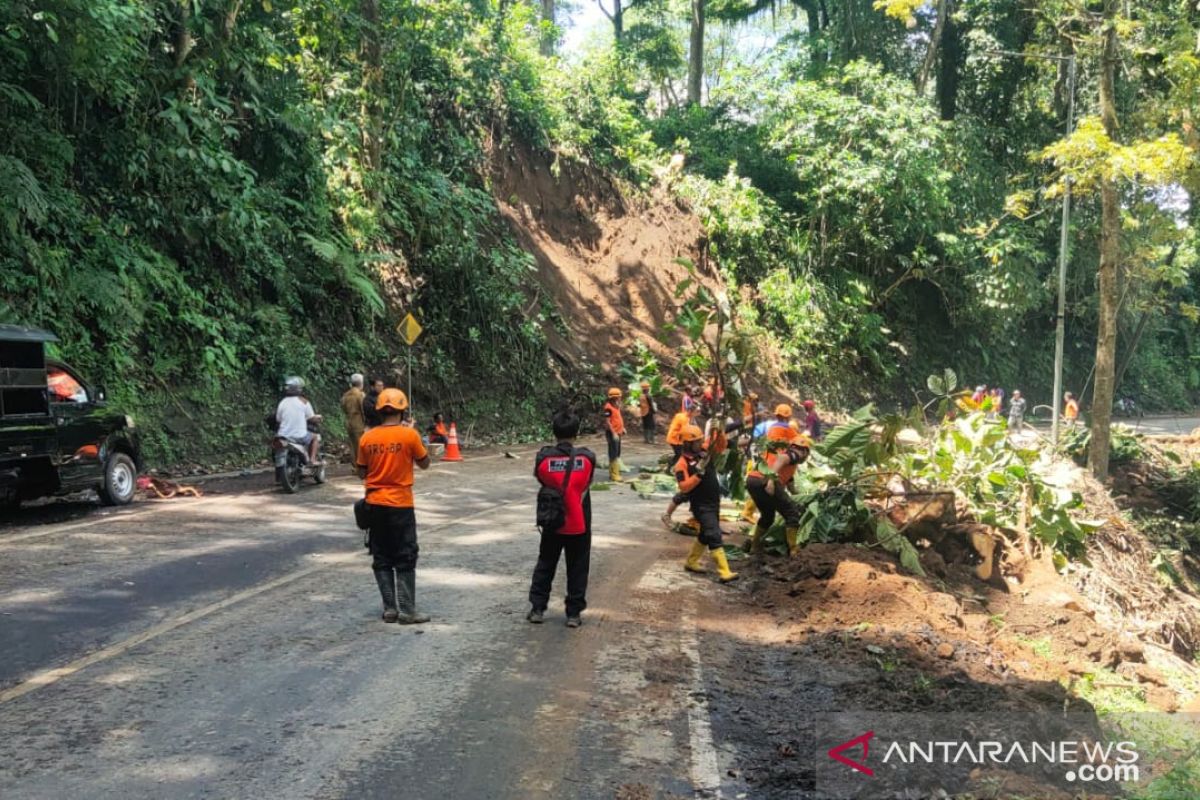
[[578, 550], [614, 445], [771, 504], [648, 428], [709, 518], [393, 538]]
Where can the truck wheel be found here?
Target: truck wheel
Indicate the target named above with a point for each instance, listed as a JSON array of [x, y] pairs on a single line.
[[120, 480]]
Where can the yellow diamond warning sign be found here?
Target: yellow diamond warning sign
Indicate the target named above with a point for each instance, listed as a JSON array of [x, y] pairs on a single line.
[[409, 329]]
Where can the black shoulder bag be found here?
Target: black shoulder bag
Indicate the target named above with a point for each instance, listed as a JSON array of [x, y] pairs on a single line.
[[362, 518], [552, 502]]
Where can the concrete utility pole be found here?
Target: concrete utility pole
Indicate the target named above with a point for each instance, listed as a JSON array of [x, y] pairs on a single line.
[[1060, 320]]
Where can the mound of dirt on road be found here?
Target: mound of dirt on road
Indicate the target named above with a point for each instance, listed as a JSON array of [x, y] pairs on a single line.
[[842, 628], [607, 260]]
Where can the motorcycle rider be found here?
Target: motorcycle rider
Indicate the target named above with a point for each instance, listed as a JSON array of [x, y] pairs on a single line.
[[293, 415]]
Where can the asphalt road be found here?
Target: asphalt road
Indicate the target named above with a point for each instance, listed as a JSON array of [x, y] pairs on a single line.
[[1178, 425], [231, 647], [1166, 426]]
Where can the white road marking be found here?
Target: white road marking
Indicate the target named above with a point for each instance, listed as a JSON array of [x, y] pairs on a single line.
[[51, 676], [704, 768]]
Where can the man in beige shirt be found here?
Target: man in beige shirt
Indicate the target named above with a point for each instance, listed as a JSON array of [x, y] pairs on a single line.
[[352, 408]]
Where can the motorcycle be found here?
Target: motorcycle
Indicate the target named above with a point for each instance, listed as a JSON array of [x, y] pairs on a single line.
[[292, 458], [1127, 407]]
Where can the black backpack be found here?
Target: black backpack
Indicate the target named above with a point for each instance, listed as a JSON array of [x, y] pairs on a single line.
[[552, 502]]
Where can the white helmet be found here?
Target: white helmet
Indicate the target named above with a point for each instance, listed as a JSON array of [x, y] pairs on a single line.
[[293, 385]]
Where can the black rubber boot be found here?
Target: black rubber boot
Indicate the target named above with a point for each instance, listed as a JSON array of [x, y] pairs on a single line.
[[406, 598], [386, 578], [279, 475]]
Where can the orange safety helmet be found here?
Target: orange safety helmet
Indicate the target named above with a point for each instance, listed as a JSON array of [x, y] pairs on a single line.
[[783, 410], [614, 393], [393, 399], [803, 440], [691, 433]]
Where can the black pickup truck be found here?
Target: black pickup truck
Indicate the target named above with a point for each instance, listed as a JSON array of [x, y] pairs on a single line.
[[57, 433]]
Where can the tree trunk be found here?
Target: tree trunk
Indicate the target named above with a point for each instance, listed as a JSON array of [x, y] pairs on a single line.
[[950, 66], [812, 13], [1141, 326], [229, 24], [1110, 254], [935, 42], [184, 43], [547, 43], [617, 18], [371, 48], [696, 55]]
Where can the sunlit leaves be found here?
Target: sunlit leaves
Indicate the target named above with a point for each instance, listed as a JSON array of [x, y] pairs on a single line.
[[903, 10], [1089, 157]]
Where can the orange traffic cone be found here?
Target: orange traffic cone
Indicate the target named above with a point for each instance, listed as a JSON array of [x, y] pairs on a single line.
[[452, 451]]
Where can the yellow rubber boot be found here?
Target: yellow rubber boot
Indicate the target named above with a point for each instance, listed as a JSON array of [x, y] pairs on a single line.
[[723, 572], [791, 534], [614, 471], [693, 560], [749, 510]]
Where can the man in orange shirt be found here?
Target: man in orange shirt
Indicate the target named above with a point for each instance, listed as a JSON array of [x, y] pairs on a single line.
[[675, 438], [784, 451], [386, 455], [1070, 409], [614, 429], [696, 477]]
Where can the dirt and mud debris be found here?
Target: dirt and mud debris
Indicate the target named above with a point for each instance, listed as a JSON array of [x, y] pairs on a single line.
[[842, 628]]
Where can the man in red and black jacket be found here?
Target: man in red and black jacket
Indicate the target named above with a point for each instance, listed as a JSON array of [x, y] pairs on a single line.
[[574, 538]]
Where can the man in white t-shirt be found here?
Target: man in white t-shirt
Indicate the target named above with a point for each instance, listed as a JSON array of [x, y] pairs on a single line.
[[293, 414]]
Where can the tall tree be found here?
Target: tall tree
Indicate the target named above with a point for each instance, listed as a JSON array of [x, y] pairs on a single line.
[[616, 17], [1110, 254], [371, 51], [696, 55], [546, 45], [950, 62]]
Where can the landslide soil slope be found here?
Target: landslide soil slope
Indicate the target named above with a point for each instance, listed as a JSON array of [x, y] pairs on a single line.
[[606, 259]]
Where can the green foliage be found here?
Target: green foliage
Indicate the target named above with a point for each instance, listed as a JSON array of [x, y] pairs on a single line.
[[183, 218], [1126, 446], [999, 481]]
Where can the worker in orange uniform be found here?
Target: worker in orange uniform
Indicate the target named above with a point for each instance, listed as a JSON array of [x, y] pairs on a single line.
[[783, 452], [750, 411], [696, 476], [614, 429], [675, 438], [647, 409], [1070, 409], [386, 455], [675, 431]]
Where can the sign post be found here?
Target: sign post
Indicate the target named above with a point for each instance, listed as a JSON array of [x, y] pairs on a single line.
[[410, 330]]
